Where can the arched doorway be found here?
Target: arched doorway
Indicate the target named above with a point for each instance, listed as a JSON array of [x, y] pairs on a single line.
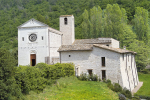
[[32, 59]]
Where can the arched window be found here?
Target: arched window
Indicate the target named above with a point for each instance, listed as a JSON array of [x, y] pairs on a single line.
[[65, 21]]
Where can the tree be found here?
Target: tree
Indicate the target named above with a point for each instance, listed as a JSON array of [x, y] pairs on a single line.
[[141, 24], [96, 22], [142, 53], [85, 25], [128, 36], [8, 87], [40, 18], [114, 21]]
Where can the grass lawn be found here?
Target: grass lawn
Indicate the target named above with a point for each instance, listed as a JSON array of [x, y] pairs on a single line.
[[70, 88], [145, 89]]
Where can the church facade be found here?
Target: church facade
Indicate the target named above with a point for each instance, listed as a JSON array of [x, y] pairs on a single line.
[[37, 42]]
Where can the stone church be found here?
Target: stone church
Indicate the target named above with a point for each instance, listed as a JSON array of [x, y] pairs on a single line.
[[37, 42]]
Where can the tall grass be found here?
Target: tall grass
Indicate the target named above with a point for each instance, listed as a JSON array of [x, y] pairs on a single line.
[[145, 89], [70, 88]]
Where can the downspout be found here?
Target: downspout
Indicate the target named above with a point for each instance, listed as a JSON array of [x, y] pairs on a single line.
[[127, 73]]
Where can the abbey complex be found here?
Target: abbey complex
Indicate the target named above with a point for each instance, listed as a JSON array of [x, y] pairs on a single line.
[[37, 42]]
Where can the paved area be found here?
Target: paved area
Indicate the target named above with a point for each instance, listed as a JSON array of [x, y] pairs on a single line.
[[137, 87]]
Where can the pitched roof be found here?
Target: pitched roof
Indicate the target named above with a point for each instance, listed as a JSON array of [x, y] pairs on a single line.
[[33, 20], [118, 50], [91, 41], [85, 47], [75, 47]]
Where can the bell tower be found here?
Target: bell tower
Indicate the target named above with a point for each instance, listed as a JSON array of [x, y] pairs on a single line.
[[66, 24]]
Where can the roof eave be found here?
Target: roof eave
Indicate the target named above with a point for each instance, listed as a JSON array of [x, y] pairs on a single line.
[[73, 50]]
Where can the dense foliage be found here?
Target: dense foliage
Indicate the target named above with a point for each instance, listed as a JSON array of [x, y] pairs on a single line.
[[36, 78], [17, 80], [9, 90], [124, 20]]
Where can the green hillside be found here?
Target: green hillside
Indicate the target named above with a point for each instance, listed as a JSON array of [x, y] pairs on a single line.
[[15, 12], [70, 88]]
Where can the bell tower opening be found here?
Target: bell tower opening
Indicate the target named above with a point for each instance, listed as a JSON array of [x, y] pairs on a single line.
[[32, 59], [65, 21]]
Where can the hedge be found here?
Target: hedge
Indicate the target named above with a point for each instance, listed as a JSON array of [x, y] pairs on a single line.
[[36, 78]]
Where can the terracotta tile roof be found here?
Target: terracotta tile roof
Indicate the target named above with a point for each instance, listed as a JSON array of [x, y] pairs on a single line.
[[91, 41], [75, 47], [85, 47], [114, 49]]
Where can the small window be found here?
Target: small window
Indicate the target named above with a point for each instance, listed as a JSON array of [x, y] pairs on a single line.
[[107, 45], [103, 61], [22, 38], [42, 38], [69, 55], [90, 71], [65, 21], [123, 56]]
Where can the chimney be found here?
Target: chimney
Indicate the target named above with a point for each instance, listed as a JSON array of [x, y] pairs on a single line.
[[124, 47]]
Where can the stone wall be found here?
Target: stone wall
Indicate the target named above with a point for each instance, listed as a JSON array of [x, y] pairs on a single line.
[[67, 29], [115, 66], [129, 71], [114, 43]]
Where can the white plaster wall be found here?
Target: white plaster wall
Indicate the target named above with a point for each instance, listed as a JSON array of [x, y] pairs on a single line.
[[114, 43], [25, 48], [67, 30], [55, 43]]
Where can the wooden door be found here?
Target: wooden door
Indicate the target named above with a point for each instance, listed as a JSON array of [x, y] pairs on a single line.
[[103, 74], [32, 59]]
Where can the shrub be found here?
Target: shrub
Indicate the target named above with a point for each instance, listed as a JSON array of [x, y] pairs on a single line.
[[117, 87], [83, 77], [94, 78], [121, 97], [145, 97], [30, 78], [145, 71], [99, 79], [36, 78], [127, 93], [68, 69], [59, 70], [110, 86], [108, 81], [136, 98]]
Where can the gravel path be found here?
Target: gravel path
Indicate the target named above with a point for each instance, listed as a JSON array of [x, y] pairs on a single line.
[[137, 87]]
